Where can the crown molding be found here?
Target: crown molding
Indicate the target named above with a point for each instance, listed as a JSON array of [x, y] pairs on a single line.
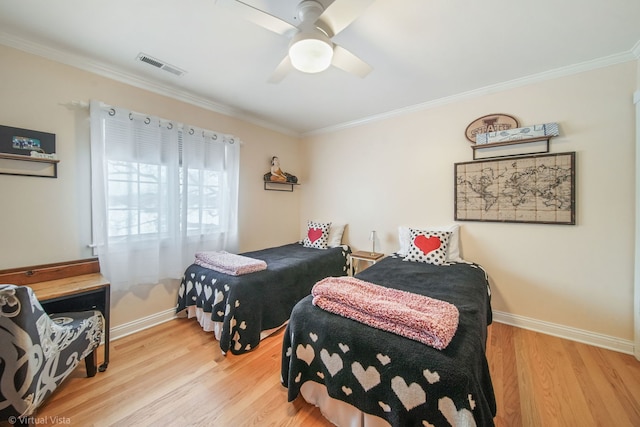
[[105, 70], [86, 64], [499, 87]]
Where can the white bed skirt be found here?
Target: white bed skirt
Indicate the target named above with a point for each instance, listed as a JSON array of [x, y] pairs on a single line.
[[338, 412], [208, 325]]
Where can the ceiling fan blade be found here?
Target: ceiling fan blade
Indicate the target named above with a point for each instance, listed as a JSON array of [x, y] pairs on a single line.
[[281, 70], [341, 13], [350, 63], [258, 16]]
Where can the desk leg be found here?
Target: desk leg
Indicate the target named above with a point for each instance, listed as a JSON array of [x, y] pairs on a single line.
[[107, 327]]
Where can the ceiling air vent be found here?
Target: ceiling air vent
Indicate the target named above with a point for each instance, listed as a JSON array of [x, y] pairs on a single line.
[[159, 64]]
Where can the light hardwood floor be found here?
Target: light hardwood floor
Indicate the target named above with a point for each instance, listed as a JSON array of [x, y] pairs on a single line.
[[174, 375]]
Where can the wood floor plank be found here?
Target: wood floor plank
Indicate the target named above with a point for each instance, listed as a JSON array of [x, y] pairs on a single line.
[[175, 375]]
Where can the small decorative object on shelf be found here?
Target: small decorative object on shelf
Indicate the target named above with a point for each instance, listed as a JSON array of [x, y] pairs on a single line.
[[277, 176]]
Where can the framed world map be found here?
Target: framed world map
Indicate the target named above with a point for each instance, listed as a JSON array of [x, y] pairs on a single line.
[[537, 189]]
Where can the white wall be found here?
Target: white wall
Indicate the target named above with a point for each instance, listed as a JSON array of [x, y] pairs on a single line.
[[46, 220], [375, 176], [399, 171]]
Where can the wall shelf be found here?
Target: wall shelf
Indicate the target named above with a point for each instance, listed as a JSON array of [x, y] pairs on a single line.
[[15, 164], [278, 186], [499, 147]]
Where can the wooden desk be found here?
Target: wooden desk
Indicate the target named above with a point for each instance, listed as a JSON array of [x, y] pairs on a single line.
[[60, 289]]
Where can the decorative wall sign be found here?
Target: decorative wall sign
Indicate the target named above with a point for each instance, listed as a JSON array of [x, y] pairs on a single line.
[[518, 134], [490, 123], [539, 188]]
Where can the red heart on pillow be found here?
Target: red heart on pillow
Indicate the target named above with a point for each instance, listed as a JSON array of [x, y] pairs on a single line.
[[314, 234], [427, 244]]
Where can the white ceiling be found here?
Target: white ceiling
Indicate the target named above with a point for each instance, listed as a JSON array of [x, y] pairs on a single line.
[[423, 52]]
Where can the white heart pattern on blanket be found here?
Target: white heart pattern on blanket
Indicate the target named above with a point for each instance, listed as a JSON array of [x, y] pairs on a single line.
[[384, 406], [189, 286], [368, 378], [226, 288], [346, 390], [208, 292], [243, 325], [410, 395], [463, 417], [199, 288], [343, 347], [384, 359], [181, 292], [432, 377], [333, 362], [219, 297], [313, 336], [305, 353]]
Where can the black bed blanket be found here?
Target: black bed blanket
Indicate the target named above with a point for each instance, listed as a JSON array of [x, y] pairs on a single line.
[[250, 303], [400, 380]]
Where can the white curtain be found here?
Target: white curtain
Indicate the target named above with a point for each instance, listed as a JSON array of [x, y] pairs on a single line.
[[160, 192]]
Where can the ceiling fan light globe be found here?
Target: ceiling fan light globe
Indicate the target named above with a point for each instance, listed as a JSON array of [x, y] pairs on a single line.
[[310, 54]]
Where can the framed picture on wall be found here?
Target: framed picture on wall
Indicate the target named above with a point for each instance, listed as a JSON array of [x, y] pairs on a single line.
[[533, 189], [27, 152]]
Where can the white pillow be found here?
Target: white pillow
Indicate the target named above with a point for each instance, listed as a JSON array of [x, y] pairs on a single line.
[[335, 235], [453, 250]]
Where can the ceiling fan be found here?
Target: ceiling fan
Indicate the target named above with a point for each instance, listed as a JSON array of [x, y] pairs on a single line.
[[311, 49]]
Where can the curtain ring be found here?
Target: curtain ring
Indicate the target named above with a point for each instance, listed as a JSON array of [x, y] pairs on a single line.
[[191, 131], [147, 121], [112, 112], [130, 116], [170, 125], [215, 137], [232, 141]]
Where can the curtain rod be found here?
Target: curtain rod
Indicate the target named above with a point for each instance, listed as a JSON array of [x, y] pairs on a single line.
[[83, 105]]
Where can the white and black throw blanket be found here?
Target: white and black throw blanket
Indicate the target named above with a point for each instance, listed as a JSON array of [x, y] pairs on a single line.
[[400, 380], [255, 302]]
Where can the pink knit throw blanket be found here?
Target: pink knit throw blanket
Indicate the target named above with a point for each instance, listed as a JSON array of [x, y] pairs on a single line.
[[420, 318], [228, 263]]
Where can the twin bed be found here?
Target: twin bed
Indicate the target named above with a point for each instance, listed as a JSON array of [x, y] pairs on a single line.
[[359, 375], [243, 309], [363, 376]]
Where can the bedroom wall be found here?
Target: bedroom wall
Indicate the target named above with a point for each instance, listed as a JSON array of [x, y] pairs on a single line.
[[575, 281], [46, 220]]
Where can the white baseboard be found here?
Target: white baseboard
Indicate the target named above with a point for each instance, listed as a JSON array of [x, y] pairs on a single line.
[[138, 325], [566, 332]]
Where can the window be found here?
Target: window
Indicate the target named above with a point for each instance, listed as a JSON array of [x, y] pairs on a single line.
[[160, 192]]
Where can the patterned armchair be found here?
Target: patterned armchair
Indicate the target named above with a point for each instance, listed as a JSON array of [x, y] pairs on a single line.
[[38, 351]]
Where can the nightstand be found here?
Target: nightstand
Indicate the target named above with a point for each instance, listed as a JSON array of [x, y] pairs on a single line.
[[367, 256]]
